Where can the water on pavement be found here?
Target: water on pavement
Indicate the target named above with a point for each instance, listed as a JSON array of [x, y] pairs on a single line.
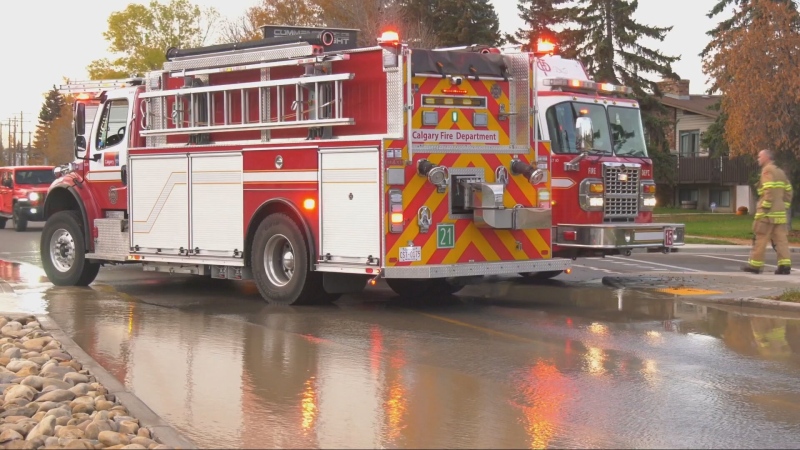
[[504, 364]]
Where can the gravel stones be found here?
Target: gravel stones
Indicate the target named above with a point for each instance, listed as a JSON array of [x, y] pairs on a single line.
[[49, 401]]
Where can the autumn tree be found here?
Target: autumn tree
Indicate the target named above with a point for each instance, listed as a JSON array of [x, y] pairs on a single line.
[[541, 19], [141, 34], [304, 13], [755, 68]]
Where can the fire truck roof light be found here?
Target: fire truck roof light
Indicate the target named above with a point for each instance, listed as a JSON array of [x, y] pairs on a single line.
[[389, 38], [586, 85], [545, 46]]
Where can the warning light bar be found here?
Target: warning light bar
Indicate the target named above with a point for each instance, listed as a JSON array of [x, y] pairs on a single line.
[[544, 46], [568, 84], [389, 38]]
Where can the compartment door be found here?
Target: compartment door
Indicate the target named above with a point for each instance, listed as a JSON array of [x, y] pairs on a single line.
[[350, 206], [159, 210], [217, 205]]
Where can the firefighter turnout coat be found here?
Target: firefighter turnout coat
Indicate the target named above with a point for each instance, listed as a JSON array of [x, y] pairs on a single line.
[[775, 195]]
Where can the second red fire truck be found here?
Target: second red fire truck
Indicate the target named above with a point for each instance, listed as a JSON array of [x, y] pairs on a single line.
[[313, 170]]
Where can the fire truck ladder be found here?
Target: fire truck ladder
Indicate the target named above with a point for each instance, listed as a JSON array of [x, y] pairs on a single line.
[[200, 109], [317, 102], [97, 86]]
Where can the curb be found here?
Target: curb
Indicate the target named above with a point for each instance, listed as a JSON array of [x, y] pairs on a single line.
[[703, 248], [753, 302], [161, 430]]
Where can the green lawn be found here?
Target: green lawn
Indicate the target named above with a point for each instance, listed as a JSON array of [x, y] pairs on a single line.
[[716, 225]]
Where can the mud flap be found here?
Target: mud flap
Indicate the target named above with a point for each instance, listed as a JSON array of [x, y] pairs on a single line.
[[343, 283]]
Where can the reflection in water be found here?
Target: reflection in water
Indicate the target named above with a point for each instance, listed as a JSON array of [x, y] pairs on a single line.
[[543, 390], [396, 402], [309, 404], [594, 361]]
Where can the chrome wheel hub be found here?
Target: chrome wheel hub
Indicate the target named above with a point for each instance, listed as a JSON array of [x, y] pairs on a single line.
[[279, 261], [62, 250]]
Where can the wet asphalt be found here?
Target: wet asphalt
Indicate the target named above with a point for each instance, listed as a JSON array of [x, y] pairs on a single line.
[[504, 364]]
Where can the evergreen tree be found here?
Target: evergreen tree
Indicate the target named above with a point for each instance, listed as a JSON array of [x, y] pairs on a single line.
[[457, 22], [540, 17], [603, 35], [51, 109]]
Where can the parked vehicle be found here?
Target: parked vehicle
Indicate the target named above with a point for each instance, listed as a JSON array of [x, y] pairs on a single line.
[[23, 190]]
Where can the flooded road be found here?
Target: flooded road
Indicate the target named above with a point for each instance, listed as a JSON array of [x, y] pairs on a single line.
[[503, 365]]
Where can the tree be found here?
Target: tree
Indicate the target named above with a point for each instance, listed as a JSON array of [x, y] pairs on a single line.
[[142, 34], [603, 35], [304, 13], [458, 22], [372, 17], [541, 17], [756, 70], [60, 138], [739, 20], [51, 110]]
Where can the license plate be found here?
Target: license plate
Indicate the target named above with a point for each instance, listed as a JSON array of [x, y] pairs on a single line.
[[669, 237], [410, 254]]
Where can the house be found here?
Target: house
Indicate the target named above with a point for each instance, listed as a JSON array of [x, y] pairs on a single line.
[[700, 179]]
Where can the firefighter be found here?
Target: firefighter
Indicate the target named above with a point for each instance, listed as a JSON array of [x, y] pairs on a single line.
[[770, 219]]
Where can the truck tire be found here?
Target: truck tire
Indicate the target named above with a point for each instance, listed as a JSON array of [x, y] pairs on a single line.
[[19, 224], [542, 275], [280, 263], [63, 251], [3, 223], [410, 288]]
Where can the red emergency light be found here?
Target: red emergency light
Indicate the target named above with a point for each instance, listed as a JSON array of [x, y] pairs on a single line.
[[545, 47], [389, 39]]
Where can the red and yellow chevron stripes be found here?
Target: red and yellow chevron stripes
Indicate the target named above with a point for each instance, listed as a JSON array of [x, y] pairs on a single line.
[[471, 244]]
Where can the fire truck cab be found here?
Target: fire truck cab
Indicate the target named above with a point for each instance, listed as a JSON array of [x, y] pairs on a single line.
[[602, 176], [311, 166]]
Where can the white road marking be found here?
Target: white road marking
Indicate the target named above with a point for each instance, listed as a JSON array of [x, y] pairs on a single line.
[[598, 269], [655, 264], [731, 259]]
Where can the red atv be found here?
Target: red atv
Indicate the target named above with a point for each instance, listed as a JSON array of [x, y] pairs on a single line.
[[22, 192]]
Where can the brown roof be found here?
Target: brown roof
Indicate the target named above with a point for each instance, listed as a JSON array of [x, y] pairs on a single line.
[[695, 103]]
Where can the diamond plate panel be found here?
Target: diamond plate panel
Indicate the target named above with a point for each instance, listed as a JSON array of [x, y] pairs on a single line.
[[244, 57], [519, 128], [112, 237], [395, 103], [476, 269]]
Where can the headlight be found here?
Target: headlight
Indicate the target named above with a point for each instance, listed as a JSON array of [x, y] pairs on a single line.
[[650, 201], [33, 196], [596, 202]]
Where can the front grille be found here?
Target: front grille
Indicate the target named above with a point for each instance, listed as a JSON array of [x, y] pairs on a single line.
[[621, 196]]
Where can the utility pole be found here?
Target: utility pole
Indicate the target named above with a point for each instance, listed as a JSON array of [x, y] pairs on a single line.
[[21, 142]]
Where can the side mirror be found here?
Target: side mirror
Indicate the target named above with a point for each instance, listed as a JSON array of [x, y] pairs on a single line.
[[80, 120], [584, 134]]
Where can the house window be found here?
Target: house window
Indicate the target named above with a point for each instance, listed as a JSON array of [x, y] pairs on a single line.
[[722, 197], [690, 143], [688, 195]]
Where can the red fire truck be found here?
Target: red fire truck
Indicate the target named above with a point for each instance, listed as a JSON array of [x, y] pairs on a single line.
[[603, 191], [311, 170]]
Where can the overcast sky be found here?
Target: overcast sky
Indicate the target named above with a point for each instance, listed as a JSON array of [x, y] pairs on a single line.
[[45, 40]]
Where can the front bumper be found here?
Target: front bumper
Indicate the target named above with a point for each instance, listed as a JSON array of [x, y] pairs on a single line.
[[26, 210], [619, 236]]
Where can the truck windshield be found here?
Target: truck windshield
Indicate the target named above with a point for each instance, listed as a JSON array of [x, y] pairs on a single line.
[[627, 132], [623, 133], [561, 123], [36, 177]]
